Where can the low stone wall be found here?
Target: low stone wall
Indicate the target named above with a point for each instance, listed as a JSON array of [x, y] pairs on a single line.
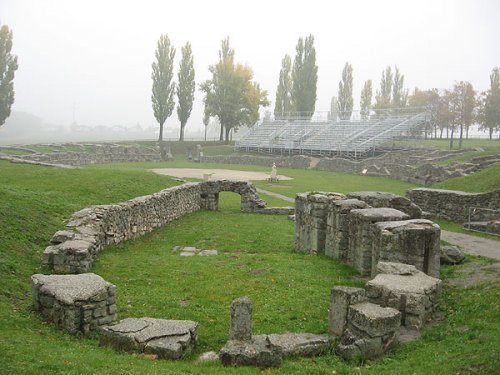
[[366, 228], [295, 162], [73, 250], [454, 205], [98, 154]]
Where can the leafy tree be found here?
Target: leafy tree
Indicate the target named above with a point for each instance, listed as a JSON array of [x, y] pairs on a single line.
[[8, 66], [463, 103], [230, 94], [428, 99], [283, 105], [206, 118], [304, 78], [366, 99], [383, 97], [489, 106], [163, 87], [346, 102], [399, 94], [185, 88], [334, 109]]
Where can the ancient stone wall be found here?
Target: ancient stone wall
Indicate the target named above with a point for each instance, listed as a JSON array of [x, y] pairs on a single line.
[[97, 154], [366, 228], [73, 250], [295, 162], [454, 205]]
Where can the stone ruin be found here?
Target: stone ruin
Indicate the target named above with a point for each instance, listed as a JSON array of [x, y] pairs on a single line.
[[364, 228], [75, 303], [374, 232], [89, 230]]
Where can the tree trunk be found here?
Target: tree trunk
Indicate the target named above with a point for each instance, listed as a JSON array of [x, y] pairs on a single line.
[[160, 137], [221, 137], [228, 129], [451, 140], [491, 133], [206, 133], [441, 133], [461, 136], [467, 132], [181, 137]]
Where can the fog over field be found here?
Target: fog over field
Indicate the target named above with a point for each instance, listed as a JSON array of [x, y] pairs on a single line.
[[88, 62]]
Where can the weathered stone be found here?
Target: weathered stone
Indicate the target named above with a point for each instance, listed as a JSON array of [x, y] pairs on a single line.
[[258, 352], [341, 298], [413, 242], [241, 319], [451, 254], [383, 199], [208, 253], [208, 357], [73, 302], [168, 339], [412, 292], [301, 344]]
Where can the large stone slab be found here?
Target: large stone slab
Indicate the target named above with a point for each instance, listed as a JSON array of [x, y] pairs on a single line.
[[403, 287], [168, 339], [257, 352], [301, 344], [76, 303], [385, 199], [340, 300]]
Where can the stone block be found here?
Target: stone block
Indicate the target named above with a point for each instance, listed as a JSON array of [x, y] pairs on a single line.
[[373, 320], [73, 302], [384, 199], [403, 287], [301, 344], [258, 352], [413, 242], [340, 300], [168, 339]]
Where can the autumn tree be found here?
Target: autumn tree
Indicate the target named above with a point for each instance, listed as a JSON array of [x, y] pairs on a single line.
[[399, 93], [283, 103], [366, 99], [428, 99], [8, 67], [163, 86], [231, 95], [304, 78], [345, 100], [185, 87], [463, 104]]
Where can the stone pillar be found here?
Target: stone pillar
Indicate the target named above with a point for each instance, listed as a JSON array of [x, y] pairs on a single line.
[[337, 227], [310, 225], [241, 320], [361, 234], [341, 298]]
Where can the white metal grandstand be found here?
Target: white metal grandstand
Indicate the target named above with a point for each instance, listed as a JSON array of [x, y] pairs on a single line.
[[325, 133]]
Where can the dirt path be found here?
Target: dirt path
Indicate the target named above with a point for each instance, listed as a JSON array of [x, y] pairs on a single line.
[[216, 174], [472, 244]]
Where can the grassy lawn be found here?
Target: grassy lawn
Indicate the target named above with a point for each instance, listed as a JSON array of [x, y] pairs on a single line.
[[290, 291], [486, 180]]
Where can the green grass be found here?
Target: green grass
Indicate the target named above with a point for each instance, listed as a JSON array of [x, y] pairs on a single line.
[[459, 228], [444, 144], [486, 180], [290, 291]]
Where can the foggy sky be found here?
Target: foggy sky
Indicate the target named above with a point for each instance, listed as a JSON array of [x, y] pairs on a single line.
[[91, 60]]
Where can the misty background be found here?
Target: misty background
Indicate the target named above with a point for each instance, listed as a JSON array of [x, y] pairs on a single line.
[[85, 66]]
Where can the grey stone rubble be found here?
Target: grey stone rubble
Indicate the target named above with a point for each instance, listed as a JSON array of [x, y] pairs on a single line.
[[490, 226], [265, 351], [416, 165], [451, 254], [75, 303], [189, 251], [168, 339], [351, 230], [89, 230], [403, 287], [454, 205]]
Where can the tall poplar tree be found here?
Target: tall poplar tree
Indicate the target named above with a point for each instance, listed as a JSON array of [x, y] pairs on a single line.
[[163, 86], [345, 100], [489, 111], [304, 78], [8, 66], [366, 99], [399, 94], [283, 104], [383, 96], [185, 88]]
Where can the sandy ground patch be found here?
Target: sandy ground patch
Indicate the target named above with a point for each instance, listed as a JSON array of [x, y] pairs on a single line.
[[217, 174]]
